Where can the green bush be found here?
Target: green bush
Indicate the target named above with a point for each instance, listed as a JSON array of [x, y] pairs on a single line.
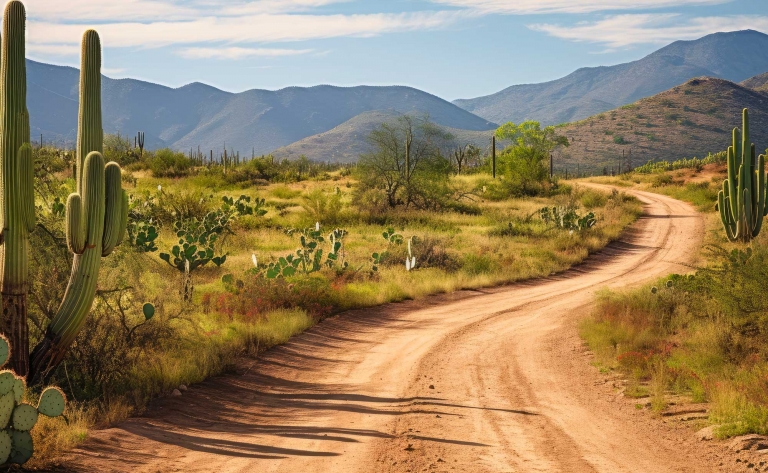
[[169, 163]]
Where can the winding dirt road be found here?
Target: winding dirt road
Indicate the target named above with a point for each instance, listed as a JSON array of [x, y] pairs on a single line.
[[478, 381]]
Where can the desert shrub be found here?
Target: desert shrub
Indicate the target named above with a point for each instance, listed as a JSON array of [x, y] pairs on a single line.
[[255, 296], [662, 180], [430, 252], [592, 199], [168, 163], [323, 207], [702, 334], [120, 150]]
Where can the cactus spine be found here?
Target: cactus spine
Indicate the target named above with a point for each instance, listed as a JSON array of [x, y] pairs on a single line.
[[17, 211], [742, 201], [96, 217]]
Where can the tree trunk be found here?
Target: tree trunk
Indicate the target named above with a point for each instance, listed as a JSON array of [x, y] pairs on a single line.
[[14, 326]]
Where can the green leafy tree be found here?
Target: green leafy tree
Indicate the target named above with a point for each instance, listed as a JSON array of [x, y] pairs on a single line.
[[525, 162]]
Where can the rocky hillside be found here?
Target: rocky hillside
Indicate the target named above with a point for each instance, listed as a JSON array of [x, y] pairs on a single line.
[[693, 119]]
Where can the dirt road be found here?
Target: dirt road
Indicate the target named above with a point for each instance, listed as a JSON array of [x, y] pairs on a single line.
[[478, 381]]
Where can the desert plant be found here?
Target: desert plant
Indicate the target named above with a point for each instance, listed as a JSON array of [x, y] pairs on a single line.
[[17, 214], [742, 201], [309, 257], [97, 216], [392, 238], [566, 218], [17, 418]]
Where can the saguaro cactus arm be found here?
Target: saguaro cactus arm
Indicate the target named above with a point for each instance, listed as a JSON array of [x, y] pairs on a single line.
[[742, 201], [96, 217]]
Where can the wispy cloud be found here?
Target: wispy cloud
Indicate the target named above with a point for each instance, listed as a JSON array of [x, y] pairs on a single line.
[[231, 30], [527, 7], [152, 10], [621, 31], [239, 53]]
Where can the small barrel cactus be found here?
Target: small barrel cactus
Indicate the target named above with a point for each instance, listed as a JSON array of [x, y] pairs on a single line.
[[17, 418]]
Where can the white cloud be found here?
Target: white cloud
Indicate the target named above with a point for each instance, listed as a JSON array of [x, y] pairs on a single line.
[[620, 31], [54, 49], [244, 29], [238, 53], [527, 7], [166, 10]]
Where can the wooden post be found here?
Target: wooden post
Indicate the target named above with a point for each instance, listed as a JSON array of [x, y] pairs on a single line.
[[493, 155], [551, 166]]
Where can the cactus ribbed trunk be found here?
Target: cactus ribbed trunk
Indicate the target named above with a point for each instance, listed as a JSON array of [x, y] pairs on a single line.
[[18, 217], [742, 201], [96, 217]]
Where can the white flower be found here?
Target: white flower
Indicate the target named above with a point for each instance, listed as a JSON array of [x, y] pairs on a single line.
[[407, 264], [255, 260], [413, 263], [317, 226], [159, 188]]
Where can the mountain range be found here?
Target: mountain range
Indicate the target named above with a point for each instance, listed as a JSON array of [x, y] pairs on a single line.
[[588, 91], [201, 115], [330, 123]]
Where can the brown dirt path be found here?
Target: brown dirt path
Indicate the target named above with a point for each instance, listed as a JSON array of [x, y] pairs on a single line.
[[478, 381]]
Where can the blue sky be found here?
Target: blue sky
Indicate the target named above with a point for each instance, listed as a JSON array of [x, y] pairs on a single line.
[[451, 48]]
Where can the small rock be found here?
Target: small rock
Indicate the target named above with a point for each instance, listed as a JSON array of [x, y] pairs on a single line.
[[176, 392], [431, 386], [707, 433], [749, 442], [183, 387]]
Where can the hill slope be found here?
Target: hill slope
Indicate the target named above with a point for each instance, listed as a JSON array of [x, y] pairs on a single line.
[[759, 82], [346, 142], [732, 56], [693, 119], [197, 114]]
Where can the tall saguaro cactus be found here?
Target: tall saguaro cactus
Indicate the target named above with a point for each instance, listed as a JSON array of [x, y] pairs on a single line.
[[17, 210], [97, 215], [742, 202]]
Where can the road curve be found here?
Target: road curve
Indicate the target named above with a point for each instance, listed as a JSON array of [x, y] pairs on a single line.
[[477, 381]]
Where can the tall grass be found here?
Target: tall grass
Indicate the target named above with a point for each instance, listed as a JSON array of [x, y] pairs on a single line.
[[185, 344], [704, 336]]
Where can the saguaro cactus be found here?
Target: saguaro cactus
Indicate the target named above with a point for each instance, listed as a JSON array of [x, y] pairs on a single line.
[[742, 201], [17, 211], [97, 215]]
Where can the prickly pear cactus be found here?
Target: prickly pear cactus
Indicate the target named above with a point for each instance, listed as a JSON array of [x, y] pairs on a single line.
[[18, 418]]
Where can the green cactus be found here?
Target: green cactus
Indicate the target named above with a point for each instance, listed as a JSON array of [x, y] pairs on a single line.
[[18, 418], [96, 217], [17, 212], [742, 201]]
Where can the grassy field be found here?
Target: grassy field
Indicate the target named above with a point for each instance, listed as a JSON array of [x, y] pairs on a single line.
[[125, 361], [699, 337]]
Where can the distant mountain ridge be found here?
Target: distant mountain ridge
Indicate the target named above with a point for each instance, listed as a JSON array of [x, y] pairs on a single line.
[[346, 142], [201, 115], [733, 56]]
